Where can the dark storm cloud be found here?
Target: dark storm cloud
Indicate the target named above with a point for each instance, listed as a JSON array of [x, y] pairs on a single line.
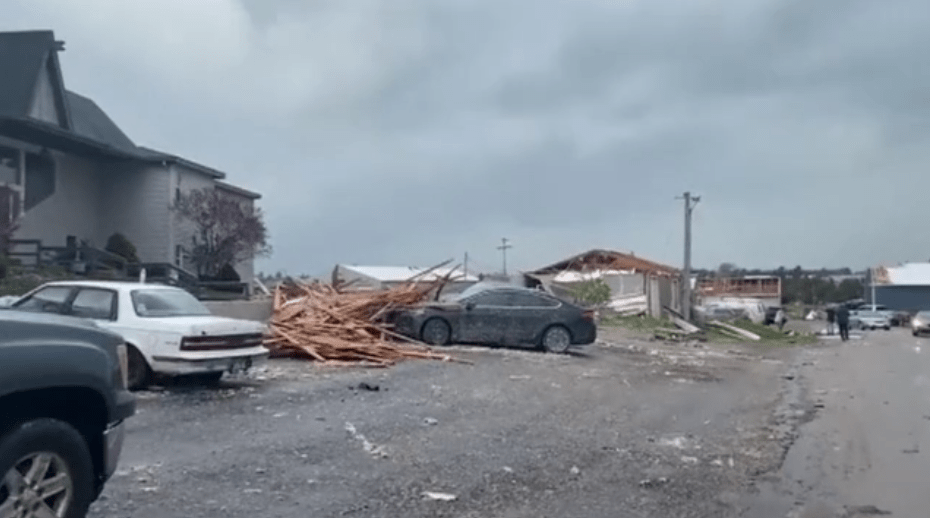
[[404, 131]]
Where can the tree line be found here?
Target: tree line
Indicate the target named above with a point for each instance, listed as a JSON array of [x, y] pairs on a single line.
[[799, 285]]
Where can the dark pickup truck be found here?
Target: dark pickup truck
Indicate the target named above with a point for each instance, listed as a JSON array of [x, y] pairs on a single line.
[[63, 402]]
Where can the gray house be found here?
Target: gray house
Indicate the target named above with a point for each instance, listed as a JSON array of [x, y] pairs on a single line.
[[68, 172]]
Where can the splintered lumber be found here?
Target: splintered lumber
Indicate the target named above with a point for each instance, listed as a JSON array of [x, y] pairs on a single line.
[[335, 327], [685, 326], [735, 330]]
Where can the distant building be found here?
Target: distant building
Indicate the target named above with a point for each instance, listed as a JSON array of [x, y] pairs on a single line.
[[903, 288], [754, 289], [374, 278]]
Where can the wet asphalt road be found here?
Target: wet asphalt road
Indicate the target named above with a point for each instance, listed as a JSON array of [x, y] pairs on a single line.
[[627, 429], [866, 451]]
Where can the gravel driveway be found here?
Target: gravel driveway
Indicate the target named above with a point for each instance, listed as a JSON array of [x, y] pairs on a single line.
[[626, 428]]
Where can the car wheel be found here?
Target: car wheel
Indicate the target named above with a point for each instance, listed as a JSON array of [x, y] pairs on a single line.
[[556, 339], [887, 328], [436, 331], [45, 470], [140, 374], [914, 332]]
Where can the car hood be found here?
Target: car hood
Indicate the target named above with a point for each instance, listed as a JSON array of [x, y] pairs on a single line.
[[209, 325]]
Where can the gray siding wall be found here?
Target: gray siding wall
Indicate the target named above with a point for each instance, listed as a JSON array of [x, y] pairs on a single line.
[[903, 298], [135, 202], [187, 179], [72, 209]]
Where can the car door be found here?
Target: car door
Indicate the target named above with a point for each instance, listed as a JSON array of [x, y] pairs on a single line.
[[50, 299], [96, 304], [530, 314], [485, 317]]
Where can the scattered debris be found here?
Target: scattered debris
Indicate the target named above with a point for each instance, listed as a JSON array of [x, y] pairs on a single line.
[[370, 448], [368, 387], [575, 470], [690, 460], [429, 421], [443, 497], [653, 482], [520, 377], [915, 449], [508, 469], [740, 333], [865, 510], [336, 327]]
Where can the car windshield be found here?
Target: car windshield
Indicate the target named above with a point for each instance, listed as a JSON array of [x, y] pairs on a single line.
[[167, 303]]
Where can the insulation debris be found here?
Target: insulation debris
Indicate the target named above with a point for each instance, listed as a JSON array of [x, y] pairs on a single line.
[[334, 327]]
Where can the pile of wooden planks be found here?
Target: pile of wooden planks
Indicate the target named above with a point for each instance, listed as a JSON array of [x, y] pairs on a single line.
[[339, 327]]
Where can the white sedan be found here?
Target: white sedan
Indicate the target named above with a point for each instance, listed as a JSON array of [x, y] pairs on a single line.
[[167, 329]]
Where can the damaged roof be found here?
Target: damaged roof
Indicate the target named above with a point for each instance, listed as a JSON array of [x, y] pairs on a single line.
[[909, 274], [599, 259]]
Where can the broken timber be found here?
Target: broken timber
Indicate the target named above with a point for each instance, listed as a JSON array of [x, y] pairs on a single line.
[[337, 327], [742, 333]]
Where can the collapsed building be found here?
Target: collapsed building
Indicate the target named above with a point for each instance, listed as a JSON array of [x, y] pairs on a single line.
[[637, 285]]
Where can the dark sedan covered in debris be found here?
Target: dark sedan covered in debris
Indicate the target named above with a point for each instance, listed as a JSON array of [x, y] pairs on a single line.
[[502, 315]]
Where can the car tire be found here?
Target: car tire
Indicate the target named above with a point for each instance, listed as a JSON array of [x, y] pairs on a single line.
[[436, 331], [69, 465], [140, 374], [556, 339]]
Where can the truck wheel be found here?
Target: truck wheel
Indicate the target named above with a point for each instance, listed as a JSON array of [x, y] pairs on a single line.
[[45, 470], [140, 375]]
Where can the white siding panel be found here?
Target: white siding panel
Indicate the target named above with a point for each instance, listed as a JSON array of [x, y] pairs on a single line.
[[43, 106], [72, 209]]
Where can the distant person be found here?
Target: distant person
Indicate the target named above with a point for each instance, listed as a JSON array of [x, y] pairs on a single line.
[[831, 319], [780, 318], [842, 318]]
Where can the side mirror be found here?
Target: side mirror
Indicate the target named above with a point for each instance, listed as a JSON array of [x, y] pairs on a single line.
[[469, 306]]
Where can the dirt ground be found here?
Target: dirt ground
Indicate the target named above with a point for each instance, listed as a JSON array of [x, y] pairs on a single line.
[[628, 427]]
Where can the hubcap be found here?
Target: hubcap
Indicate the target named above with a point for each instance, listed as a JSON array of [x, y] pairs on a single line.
[[557, 340], [39, 485]]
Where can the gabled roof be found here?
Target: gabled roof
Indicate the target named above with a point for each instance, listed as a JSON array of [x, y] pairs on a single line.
[[22, 55], [91, 122], [599, 259], [237, 190]]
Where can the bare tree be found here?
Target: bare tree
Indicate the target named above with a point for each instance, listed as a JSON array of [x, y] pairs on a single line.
[[226, 230]]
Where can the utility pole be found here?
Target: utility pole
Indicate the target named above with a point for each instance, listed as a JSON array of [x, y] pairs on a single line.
[[465, 268], [690, 202], [505, 244]]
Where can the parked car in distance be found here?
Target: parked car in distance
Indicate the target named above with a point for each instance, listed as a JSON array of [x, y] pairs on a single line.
[[500, 316], [63, 404], [920, 323], [168, 331], [871, 320]]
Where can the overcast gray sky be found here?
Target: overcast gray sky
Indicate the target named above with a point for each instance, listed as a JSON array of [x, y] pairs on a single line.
[[411, 131]]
